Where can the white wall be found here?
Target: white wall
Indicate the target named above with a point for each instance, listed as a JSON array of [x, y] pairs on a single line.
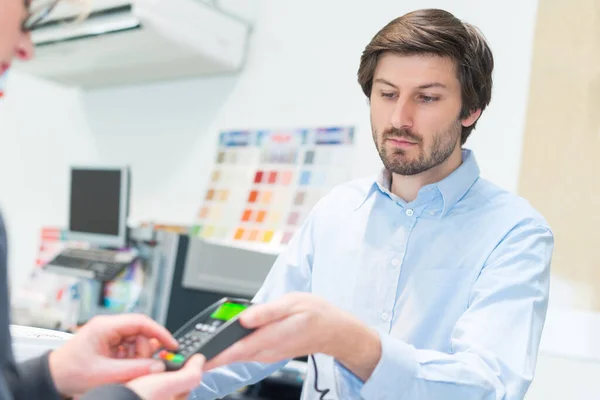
[[42, 131]]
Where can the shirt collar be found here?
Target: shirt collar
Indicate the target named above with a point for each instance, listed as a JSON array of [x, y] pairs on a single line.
[[452, 188]]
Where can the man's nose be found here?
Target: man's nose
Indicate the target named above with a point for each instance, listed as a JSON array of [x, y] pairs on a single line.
[[403, 115]]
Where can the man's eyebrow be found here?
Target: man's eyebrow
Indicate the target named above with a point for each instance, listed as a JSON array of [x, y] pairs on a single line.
[[433, 85], [381, 80], [423, 86]]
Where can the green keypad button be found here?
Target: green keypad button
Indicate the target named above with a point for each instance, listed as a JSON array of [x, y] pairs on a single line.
[[178, 359]]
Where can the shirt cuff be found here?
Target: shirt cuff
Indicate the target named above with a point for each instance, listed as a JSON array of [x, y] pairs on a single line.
[[394, 374], [348, 384]]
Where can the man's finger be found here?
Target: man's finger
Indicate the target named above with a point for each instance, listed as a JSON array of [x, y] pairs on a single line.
[[267, 338], [242, 350], [124, 325], [263, 314]]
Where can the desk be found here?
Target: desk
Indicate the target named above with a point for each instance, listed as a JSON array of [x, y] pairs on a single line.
[[32, 342]]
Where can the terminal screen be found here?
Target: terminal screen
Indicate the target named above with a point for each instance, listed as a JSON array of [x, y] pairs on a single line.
[[228, 311]]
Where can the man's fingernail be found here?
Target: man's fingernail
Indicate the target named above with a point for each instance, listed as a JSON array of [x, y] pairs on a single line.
[[157, 367]]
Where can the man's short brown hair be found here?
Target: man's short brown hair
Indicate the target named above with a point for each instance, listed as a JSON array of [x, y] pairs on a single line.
[[437, 32]]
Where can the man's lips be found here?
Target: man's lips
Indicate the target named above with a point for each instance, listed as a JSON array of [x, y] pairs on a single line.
[[401, 142]]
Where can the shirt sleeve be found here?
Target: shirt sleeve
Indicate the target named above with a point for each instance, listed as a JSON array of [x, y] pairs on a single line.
[[494, 343], [292, 272]]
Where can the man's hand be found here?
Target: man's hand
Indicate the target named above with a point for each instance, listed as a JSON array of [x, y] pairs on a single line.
[[109, 349], [299, 324], [170, 385]]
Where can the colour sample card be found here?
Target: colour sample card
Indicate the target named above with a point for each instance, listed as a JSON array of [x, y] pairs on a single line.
[[229, 181], [264, 183]]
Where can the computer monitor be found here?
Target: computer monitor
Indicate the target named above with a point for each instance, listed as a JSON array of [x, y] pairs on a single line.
[[99, 205]]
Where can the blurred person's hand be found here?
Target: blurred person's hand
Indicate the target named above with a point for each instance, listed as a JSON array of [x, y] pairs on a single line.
[[109, 349], [170, 385]]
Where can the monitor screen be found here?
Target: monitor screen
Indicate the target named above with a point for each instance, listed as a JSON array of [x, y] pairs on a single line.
[[96, 207]]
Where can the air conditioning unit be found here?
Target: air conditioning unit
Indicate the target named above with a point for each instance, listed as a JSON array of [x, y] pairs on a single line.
[[127, 42]]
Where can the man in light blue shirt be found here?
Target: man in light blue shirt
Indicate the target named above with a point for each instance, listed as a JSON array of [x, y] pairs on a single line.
[[427, 282]]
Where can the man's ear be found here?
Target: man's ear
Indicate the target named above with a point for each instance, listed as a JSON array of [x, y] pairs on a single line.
[[471, 119]]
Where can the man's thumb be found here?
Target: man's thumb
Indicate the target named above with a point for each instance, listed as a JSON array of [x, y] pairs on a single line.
[[126, 370]]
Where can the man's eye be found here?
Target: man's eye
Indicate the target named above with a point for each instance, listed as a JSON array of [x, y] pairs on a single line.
[[428, 99], [388, 95]]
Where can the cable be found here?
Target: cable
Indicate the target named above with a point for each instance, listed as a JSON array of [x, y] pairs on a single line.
[[324, 391]]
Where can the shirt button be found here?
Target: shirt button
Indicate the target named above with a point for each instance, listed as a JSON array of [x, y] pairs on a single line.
[[410, 212], [395, 262], [385, 316]]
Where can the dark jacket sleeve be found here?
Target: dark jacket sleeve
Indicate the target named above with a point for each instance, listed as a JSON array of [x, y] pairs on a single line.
[[30, 380], [116, 392]]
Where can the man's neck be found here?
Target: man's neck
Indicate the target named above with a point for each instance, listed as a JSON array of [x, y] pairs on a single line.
[[407, 186]]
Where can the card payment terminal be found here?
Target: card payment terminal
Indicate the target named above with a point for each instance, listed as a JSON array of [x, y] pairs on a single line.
[[209, 333]]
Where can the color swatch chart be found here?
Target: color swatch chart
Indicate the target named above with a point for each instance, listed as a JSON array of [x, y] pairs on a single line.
[[264, 183]]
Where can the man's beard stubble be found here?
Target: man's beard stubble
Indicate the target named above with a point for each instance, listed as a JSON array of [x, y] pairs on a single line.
[[443, 145]]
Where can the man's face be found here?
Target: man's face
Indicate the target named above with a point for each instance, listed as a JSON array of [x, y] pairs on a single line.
[[13, 41], [415, 108]]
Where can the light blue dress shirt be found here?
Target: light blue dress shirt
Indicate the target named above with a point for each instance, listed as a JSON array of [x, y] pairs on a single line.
[[455, 282]]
